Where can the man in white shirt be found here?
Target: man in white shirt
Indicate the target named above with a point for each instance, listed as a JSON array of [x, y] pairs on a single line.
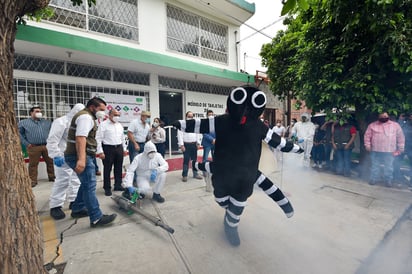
[[304, 130], [110, 147], [280, 130], [189, 144], [138, 134]]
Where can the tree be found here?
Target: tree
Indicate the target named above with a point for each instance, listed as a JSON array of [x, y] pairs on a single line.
[[20, 238], [347, 55]]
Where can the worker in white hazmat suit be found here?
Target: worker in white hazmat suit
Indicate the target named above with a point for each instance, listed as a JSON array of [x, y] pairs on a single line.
[[66, 181], [150, 167], [304, 131]]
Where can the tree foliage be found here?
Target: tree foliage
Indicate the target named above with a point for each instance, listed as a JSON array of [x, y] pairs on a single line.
[[345, 54]]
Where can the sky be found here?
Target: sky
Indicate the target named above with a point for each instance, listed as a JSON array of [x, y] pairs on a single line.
[[267, 12]]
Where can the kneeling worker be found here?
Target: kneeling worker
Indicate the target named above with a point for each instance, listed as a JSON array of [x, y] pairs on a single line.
[[150, 167]]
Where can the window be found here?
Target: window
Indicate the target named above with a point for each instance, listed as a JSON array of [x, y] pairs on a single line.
[[195, 35]]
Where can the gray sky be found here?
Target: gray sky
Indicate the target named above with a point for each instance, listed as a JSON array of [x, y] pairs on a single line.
[[267, 12]]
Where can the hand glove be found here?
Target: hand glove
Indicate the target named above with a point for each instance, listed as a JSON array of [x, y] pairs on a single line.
[[176, 124], [153, 175], [58, 161], [301, 140], [131, 190]]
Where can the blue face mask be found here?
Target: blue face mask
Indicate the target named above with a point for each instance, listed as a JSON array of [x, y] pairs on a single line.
[[147, 120]]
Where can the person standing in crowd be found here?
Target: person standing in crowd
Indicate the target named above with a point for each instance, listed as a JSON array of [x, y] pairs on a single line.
[[383, 139], [110, 147], [288, 132], [158, 136], [397, 162], [138, 134], [280, 130], [327, 128], [150, 167], [79, 154], [33, 134], [208, 141], [189, 144], [66, 181], [304, 131], [318, 149], [343, 142]]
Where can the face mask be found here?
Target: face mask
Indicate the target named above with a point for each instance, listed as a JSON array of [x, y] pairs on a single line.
[[278, 124], [38, 115], [100, 114], [303, 119], [116, 119], [151, 155], [383, 120], [147, 120], [155, 124]]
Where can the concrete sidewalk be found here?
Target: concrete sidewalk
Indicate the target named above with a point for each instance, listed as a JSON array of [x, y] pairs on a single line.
[[340, 225]]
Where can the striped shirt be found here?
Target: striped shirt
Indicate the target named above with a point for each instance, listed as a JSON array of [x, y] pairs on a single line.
[[384, 137], [34, 132]]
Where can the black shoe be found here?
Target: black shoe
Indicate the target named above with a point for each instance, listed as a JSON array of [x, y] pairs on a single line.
[[158, 198], [80, 214], [118, 188], [71, 205], [388, 183], [104, 220], [107, 192], [57, 213], [372, 182], [232, 235]]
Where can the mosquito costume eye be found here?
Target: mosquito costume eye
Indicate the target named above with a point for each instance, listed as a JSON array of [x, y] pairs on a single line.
[[238, 95], [258, 99]]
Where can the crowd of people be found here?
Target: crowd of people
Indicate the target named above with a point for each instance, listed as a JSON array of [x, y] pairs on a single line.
[[329, 146], [71, 143]]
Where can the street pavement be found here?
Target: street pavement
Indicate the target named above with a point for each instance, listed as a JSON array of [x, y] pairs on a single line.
[[341, 225]]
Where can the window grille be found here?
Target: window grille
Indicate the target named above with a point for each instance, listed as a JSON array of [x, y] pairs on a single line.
[[56, 98], [131, 77], [195, 35], [25, 62], [84, 71], [117, 18]]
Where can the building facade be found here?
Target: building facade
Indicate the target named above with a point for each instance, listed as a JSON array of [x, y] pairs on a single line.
[[168, 57]]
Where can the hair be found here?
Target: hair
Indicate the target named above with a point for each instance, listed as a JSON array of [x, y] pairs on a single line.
[[209, 111], [187, 113], [161, 123], [33, 108], [95, 101]]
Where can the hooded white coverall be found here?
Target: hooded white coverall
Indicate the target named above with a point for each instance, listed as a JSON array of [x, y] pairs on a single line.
[[305, 132], [143, 165], [66, 179]]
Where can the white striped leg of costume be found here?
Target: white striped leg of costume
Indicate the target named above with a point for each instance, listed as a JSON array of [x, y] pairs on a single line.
[[275, 193]]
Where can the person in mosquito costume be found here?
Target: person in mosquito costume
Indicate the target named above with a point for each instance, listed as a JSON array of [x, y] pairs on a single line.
[[239, 135]]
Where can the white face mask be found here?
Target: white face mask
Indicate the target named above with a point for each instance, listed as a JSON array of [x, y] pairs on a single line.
[[38, 115], [100, 114], [151, 155], [155, 124], [278, 124], [116, 119]]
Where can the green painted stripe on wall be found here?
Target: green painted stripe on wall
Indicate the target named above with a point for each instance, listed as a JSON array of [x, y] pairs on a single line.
[[250, 7], [74, 42]]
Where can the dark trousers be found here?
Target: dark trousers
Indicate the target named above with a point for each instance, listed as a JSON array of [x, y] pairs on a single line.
[[161, 148], [189, 154], [113, 157]]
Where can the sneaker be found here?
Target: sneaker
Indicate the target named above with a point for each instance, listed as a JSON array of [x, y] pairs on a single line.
[[158, 198], [320, 166], [107, 192], [197, 176], [80, 214], [57, 213], [314, 165], [104, 220], [184, 179]]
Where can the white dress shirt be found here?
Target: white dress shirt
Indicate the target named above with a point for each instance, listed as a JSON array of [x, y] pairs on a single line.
[[110, 133], [140, 131], [187, 137]]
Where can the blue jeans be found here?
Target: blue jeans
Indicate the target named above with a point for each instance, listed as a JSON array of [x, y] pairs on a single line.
[[206, 151], [343, 161], [86, 196], [318, 153], [378, 158]]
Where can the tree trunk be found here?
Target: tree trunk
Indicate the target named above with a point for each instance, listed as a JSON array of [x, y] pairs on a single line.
[[21, 245]]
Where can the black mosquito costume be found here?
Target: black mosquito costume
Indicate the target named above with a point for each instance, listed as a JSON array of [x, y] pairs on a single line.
[[239, 136]]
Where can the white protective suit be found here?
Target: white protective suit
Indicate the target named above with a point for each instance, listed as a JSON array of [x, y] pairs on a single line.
[[305, 131], [143, 165], [66, 179]]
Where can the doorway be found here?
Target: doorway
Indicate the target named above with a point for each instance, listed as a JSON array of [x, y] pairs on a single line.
[[170, 109]]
